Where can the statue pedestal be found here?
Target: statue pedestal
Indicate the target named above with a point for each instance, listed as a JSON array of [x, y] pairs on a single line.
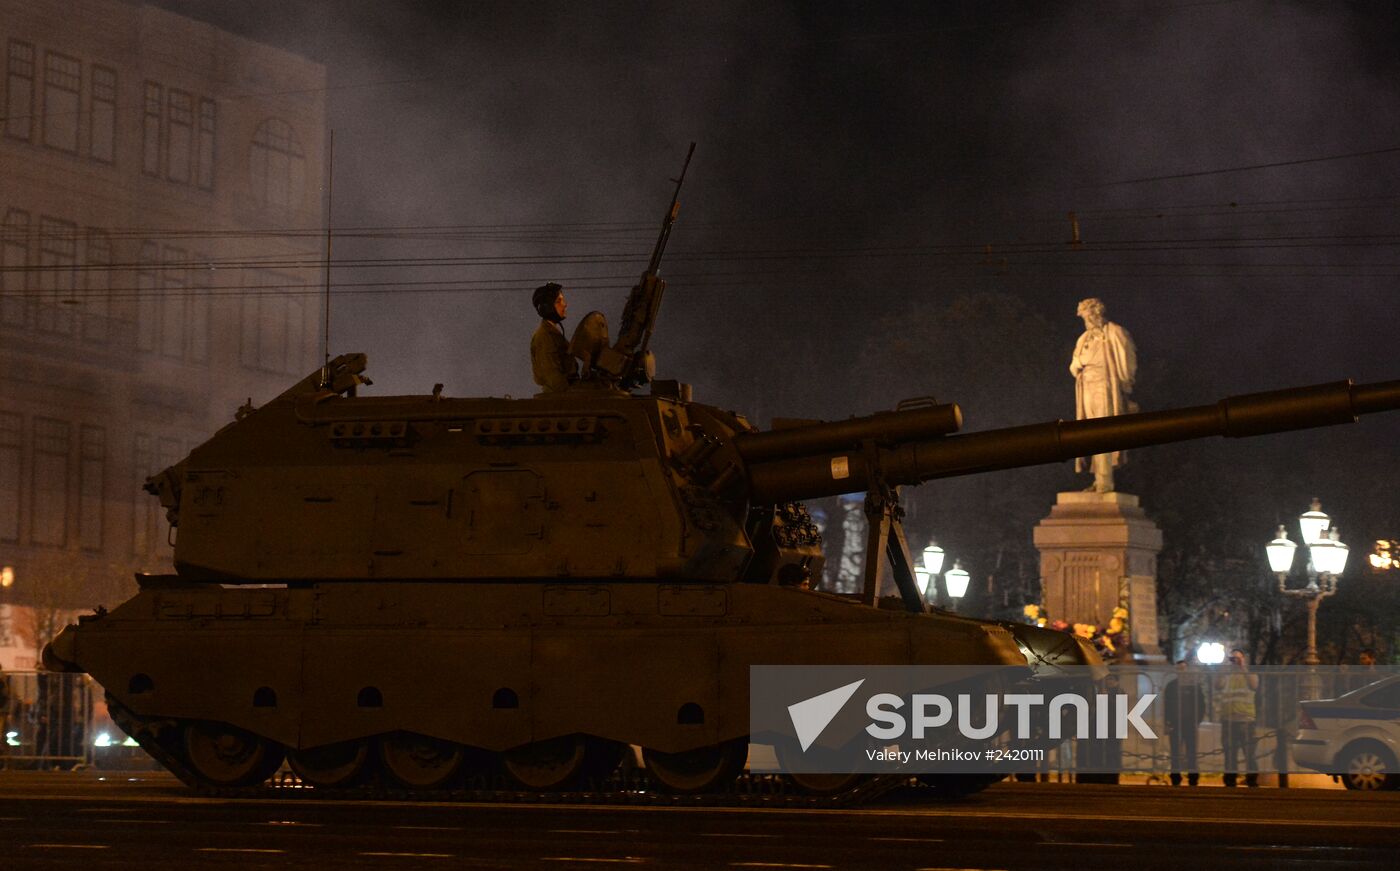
[[1099, 551]]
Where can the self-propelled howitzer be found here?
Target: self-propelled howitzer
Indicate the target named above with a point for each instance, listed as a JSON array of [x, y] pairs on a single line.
[[424, 591], [415, 587]]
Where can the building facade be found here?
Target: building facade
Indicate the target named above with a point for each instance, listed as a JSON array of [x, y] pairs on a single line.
[[160, 223]]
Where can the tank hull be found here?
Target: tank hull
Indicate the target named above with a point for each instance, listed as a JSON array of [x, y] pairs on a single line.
[[489, 666]]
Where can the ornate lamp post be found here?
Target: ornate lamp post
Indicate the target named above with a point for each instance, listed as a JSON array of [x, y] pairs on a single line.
[[1328, 557]]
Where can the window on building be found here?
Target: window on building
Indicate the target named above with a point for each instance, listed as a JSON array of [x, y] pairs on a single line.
[[179, 138], [97, 278], [277, 165], [49, 485], [11, 439], [148, 296], [14, 267], [63, 87], [151, 130], [19, 91], [92, 490], [174, 271], [274, 323], [102, 108], [58, 261], [200, 275], [204, 163]]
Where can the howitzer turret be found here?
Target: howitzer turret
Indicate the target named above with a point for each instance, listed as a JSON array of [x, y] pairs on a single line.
[[430, 591]]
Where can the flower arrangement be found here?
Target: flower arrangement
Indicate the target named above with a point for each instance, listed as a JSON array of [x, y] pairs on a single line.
[[1107, 640]]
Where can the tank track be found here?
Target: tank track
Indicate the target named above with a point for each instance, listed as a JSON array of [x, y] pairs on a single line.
[[750, 790], [160, 738]]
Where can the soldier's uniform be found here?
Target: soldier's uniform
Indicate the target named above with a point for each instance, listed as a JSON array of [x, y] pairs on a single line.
[[552, 364], [554, 367]]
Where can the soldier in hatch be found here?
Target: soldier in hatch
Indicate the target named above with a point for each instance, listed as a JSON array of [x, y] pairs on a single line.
[[553, 365]]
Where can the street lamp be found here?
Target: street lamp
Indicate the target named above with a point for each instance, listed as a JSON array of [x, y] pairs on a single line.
[[1313, 522], [955, 580], [933, 559], [1328, 557], [932, 565], [1210, 653]]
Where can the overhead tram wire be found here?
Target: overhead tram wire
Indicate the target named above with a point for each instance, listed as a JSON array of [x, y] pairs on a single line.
[[590, 231], [745, 279], [1299, 240], [1249, 168], [888, 253]]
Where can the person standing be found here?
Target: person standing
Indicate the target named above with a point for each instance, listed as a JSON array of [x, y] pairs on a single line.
[[1184, 707], [1235, 695], [553, 366], [4, 716], [1104, 366]]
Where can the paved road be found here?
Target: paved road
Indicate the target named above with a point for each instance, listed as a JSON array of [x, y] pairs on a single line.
[[50, 820]]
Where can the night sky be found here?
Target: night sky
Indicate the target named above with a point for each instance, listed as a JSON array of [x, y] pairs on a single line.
[[854, 161]]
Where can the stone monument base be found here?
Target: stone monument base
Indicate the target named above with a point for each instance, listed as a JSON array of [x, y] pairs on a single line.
[[1098, 551]]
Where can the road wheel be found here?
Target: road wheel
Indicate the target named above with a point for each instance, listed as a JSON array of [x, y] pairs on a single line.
[[704, 769], [562, 764], [815, 782], [1368, 766], [420, 762], [224, 755], [331, 765]]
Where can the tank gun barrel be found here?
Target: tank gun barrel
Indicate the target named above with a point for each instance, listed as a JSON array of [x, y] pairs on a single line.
[[927, 420], [833, 472]]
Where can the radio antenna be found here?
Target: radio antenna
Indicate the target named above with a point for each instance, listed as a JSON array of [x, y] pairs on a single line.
[[326, 332]]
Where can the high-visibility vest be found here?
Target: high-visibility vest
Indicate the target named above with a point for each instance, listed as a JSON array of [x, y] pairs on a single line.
[[1236, 698]]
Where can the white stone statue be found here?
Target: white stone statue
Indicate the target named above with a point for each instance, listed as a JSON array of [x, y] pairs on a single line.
[[1104, 367]]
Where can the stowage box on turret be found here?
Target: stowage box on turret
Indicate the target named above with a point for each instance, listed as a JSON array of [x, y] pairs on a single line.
[[416, 588]]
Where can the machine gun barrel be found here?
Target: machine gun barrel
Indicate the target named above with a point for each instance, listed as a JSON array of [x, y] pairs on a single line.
[[669, 219], [627, 359], [833, 472]]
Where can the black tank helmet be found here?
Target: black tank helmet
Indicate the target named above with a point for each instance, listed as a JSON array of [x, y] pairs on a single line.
[[544, 298]]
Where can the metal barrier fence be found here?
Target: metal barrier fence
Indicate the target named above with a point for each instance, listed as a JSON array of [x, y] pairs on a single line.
[[1274, 729], [58, 720]]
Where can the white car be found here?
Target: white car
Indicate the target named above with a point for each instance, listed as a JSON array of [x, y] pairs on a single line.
[[1354, 737]]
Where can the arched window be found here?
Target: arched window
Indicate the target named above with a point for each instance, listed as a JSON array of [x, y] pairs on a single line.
[[277, 165]]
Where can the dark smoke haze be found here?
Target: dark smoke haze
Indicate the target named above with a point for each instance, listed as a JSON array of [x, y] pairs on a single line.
[[854, 160]]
